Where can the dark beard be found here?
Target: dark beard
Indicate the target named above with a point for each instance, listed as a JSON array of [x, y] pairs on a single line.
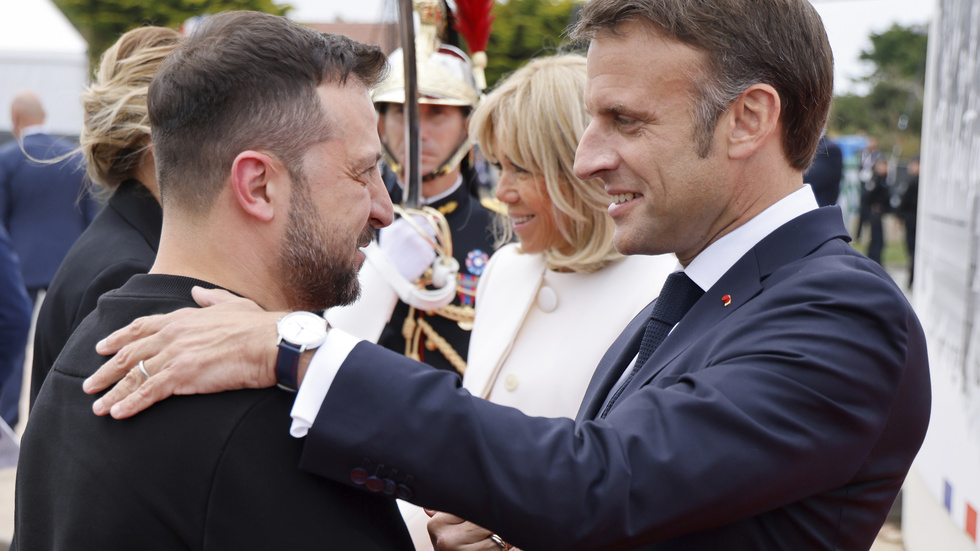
[[316, 272]]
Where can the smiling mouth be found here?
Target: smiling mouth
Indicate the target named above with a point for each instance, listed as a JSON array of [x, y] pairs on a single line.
[[522, 219], [623, 197]]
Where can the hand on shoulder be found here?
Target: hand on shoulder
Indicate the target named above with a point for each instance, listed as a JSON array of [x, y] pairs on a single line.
[[229, 344]]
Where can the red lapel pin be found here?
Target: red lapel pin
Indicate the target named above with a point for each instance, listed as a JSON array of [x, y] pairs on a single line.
[[726, 300]]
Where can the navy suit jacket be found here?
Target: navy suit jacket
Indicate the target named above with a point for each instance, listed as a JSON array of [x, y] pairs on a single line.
[[787, 419], [43, 206]]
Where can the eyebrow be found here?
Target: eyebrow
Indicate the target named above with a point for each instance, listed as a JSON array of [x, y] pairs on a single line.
[[621, 109], [617, 109], [371, 160]]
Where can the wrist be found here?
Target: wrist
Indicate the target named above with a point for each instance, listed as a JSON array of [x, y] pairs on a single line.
[[298, 334], [304, 363]]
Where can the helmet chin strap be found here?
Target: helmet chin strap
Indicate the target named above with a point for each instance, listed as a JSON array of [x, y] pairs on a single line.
[[445, 168]]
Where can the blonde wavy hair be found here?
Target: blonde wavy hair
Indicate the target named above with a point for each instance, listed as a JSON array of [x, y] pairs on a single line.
[[116, 133], [537, 116]]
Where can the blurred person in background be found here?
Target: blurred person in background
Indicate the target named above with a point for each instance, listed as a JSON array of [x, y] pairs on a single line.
[[869, 156], [878, 198], [44, 208], [123, 239], [15, 309], [908, 208], [825, 174]]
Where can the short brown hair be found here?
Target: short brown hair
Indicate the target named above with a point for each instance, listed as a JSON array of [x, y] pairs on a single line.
[[777, 42], [245, 80]]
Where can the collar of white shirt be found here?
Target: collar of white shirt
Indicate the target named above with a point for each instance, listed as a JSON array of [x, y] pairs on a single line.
[[716, 259], [31, 130]]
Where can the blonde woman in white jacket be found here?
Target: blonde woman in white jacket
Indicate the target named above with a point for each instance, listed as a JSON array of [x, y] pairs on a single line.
[[549, 306]]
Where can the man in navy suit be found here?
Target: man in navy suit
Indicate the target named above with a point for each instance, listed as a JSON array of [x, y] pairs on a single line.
[[43, 207], [783, 411], [15, 309], [825, 174]]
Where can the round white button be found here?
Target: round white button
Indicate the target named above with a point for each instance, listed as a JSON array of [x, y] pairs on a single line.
[[510, 382], [547, 299]]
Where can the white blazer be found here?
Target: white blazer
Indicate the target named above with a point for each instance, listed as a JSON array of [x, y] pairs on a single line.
[[539, 334]]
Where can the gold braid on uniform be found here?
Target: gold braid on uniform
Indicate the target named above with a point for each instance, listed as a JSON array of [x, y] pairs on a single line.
[[411, 334], [462, 315], [414, 327], [443, 346]]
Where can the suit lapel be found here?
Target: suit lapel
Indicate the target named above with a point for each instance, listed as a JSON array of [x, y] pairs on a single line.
[[741, 283], [738, 286]]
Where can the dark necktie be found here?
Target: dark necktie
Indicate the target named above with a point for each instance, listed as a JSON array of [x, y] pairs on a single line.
[[676, 298]]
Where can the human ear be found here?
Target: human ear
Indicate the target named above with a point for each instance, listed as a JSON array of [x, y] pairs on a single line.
[[254, 183], [755, 119]]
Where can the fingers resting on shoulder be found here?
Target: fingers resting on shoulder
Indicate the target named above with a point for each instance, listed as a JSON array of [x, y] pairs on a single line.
[[229, 344]]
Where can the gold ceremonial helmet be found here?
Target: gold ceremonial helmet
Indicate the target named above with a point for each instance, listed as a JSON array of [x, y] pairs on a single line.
[[444, 73], [445, 77]]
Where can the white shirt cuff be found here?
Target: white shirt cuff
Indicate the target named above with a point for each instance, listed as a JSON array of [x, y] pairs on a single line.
[[323, 368]]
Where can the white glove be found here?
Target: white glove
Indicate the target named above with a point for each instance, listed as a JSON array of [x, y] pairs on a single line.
[[406, 249]]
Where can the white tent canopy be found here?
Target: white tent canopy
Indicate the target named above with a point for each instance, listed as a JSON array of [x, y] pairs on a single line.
[[41, 51]]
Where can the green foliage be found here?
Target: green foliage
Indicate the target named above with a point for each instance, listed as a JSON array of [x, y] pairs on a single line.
[[525, 29], [848, 115], [898, 54], [102, 22], [894, 99]]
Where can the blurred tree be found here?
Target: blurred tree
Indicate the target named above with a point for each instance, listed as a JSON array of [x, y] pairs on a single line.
[[101, 22], [524, 29], [892, 108]]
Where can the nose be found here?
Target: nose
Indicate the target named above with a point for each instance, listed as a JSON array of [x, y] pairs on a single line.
[[382, 212], [593, 156], [506, 192], [425, 128]]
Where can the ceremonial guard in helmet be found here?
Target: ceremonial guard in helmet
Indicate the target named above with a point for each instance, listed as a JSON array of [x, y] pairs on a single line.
[[407, 304]]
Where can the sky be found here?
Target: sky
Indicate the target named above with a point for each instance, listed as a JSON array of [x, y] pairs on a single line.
[[848, 24]]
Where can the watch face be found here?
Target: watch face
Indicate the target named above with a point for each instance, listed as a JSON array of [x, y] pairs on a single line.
[[302, 328]]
